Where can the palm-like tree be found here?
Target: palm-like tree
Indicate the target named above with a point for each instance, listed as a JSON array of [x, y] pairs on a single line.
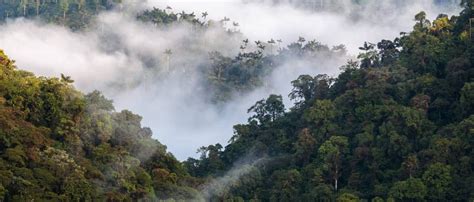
[[64, 4], [260, 45], [301, 39], [66, 79], [279, 43], [271, 44], [168, 54], [37, 6], [24, 5], [225, 20], [235, 24]]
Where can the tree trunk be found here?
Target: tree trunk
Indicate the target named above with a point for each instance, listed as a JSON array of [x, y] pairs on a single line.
[[38, 2], [168, 58], [335, 179]]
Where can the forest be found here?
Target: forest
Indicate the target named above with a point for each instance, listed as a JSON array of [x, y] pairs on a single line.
[[396, 124]]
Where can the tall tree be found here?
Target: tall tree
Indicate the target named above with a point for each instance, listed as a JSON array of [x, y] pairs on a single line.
[[64, 5], [332, 151], [24, 6]]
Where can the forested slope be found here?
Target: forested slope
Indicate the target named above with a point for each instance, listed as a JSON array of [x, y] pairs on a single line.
[[398, 125], [58, 144], [76, 14]]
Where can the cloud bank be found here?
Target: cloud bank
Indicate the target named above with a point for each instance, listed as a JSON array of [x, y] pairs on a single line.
[[125, 59]]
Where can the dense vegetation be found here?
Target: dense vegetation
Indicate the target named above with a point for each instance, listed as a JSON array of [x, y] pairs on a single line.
[[228, 76], [399, 125], [396, 125], [76, 14], [59, 144], [225, 76]]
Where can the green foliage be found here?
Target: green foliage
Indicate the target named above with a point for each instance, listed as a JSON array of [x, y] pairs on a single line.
[[410, 189], [347, 197], [397, 126], [267, 110], [76, 14], [157, 17], [246, 71], [57, 144], [438, 180]]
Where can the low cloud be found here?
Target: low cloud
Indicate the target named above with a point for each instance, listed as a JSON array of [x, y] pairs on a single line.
[[125, 58]]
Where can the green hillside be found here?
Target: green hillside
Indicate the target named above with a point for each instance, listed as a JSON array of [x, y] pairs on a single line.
[[58, 144], [398, 126]]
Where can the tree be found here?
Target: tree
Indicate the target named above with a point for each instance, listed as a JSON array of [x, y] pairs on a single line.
[[369, 58], [285, 186], [332, 152], [422, 23], [307, 88], [64, 5], [388, 51], [271, 43], [410, 165], [410, 189], [305, 146], [303, 88], [441, 26], [66, 79], [218, 65], [37, 6], [467, 98], [268, 110], [438, 180], [24, 5], [168, 54], [211, 157], [321, 115], [347, 197]]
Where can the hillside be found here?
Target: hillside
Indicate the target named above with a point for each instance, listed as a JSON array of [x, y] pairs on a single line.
[[58, 144], [398, 126]]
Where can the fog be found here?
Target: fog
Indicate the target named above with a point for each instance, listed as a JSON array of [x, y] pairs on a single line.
[[125, 59], [339, 22]]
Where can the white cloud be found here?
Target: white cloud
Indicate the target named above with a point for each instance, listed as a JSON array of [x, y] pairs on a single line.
[[124, 58]]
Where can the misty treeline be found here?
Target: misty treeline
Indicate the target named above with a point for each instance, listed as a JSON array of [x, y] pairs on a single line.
[[75, 14], [225, 74], [58, 144], [395, 125]]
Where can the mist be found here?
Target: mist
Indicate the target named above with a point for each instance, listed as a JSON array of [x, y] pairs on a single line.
[[125, 58]]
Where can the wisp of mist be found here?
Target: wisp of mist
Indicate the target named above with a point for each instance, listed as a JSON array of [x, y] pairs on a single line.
[[124, 58]]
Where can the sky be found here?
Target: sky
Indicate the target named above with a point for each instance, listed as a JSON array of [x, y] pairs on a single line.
[[124, 58]]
